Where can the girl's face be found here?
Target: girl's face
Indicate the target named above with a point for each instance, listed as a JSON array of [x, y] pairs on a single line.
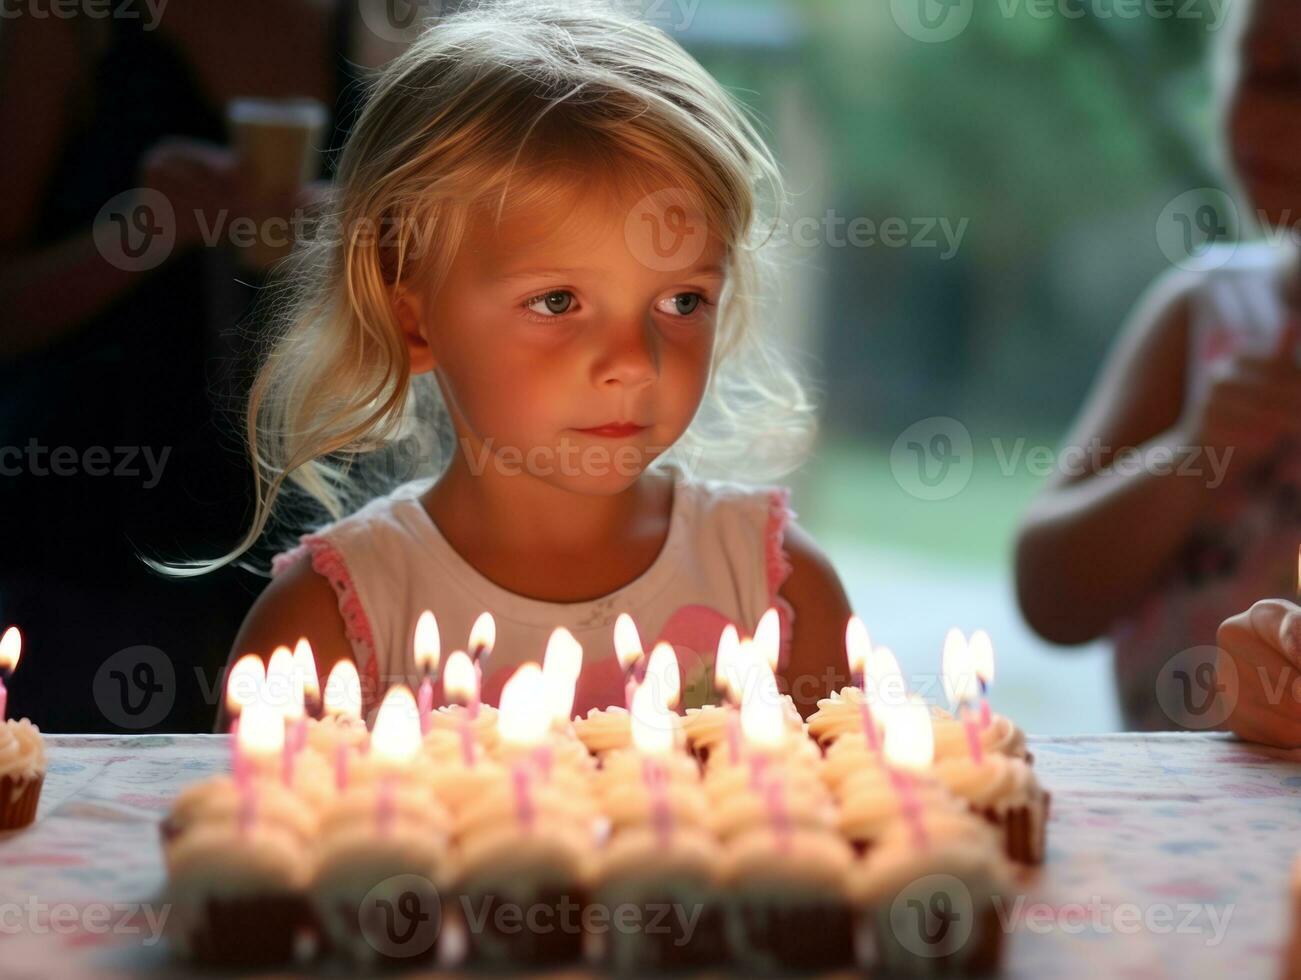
[[570, 316], [1264, 110]]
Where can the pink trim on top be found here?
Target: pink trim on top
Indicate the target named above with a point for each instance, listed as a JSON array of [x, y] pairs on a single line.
[[328, 562], [779, 565]]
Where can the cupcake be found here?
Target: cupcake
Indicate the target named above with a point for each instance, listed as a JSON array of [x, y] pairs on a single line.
[[669, 875], [930, 906], [723, 782], [380, 864], [541, 868], [871, 805], [22, 772], [1000, 736], [848, 756], [710, 730], [452, 717], [635, 805], [750, 808], [1005, 792], [787, 900], [840, 714], [624, 767], [603, 730], [219, 800], [457, 785], [499, 804], [326, 735], [237, 894]]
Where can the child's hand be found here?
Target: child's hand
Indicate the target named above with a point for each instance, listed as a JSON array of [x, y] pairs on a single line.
[[1253, 401], [1264, 644]]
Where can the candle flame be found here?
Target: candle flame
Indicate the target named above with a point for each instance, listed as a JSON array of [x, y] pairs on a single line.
[[960, 682], [560, 666], [427, 643], [244, 683], [768, 637], [460, 679], [11, 648], [627, 642], [982, 656], [729, 649], [483, 636], [261, 730], [343, 690], [653, 724], [884, 679], [762, 711], [909, 735], [663, 676], [522, 716], [857, 646], [305, 664], [284, 684], [396, 735]]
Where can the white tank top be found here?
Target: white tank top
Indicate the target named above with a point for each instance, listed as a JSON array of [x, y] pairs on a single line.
[[722, 562]]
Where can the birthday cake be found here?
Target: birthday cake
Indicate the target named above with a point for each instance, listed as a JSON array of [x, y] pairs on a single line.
[[631, 838]]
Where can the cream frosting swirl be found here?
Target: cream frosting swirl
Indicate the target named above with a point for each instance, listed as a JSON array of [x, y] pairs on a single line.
[[22, 750]]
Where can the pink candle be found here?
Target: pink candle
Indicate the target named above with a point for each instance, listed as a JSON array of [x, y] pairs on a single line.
[[385, 810], [653, 775], [985, 717], [733, 736], [4, 696], [287, 764], [467, 742], [909, 805], [425, 703], [973, 734], [341, 768], [247, 808], [777, 813], [238, 766], [523, 796], [869, 726], [758, 763]]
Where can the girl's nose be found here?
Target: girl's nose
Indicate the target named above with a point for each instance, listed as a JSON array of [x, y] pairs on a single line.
[[629, 356]]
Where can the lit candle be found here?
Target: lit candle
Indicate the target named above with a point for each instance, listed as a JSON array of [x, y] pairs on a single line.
[[654, 735], [663, 676], [628, 649], [11, 648], [960, 682], [523, 717], [909, 747], [284, 690], [243, 687], [982, 661], [427, 651], [261, 739], [342, 698], [305, 665], [768, 637], [857, 647], [560, 667], [778, 816], [461, 686], [395, 738], [762, 724], [725, 671], [483, 637]]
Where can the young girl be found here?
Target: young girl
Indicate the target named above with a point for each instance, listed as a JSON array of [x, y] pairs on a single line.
[[1204, 384], [551, 224]]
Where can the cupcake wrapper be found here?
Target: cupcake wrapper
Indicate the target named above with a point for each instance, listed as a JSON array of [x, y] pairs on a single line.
[[253, 931], [981, 954], [1025, 830], [18, 799], [667, 949], [769, 936], [552, 947]]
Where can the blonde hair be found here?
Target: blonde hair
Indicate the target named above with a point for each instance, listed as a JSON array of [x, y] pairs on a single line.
[[505, 90]]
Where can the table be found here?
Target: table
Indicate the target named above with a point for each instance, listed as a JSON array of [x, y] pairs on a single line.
[[1169, 856]]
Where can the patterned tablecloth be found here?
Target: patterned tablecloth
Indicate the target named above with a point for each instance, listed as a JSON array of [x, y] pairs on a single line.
[[1169, 856]]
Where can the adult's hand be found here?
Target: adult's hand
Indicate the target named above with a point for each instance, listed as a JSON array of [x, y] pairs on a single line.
[[1264, 644]]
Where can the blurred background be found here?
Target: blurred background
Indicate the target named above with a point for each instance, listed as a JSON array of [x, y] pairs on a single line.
[[978, 189]]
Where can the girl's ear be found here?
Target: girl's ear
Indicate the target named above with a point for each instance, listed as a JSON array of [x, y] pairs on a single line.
[[410, 308]]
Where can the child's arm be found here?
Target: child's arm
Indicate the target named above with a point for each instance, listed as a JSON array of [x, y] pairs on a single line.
[[298, 602], [817, 664], [1096, 540], [1264, 645]]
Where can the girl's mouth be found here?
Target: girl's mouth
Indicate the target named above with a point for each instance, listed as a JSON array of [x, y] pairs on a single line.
[[615, 430]]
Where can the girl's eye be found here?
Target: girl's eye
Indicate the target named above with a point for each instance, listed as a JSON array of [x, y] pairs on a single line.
[[684, 304], [554, 303]]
